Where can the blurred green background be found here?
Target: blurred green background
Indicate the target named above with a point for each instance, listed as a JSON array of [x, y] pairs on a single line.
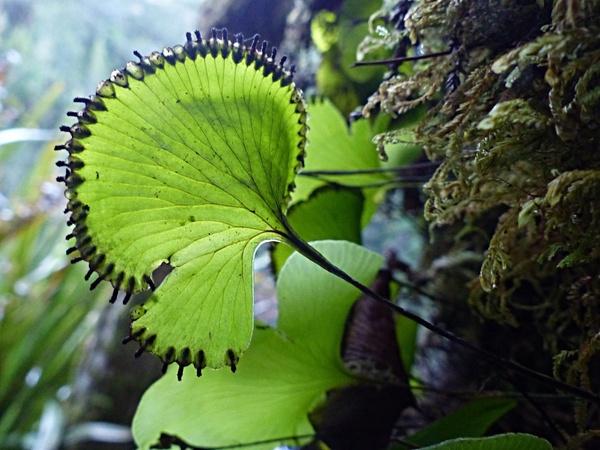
[[51, 52]]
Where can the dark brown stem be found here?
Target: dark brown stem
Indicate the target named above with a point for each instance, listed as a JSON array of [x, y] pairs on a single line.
[[402, 59], [496, 360]]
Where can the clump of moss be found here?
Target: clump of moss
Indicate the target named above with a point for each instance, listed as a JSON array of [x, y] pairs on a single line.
[[514, 121]]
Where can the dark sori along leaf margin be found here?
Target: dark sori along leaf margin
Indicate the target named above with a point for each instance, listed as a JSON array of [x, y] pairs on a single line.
[[165, 167]]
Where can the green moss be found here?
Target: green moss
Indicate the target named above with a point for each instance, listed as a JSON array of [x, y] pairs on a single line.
[[514, 121]]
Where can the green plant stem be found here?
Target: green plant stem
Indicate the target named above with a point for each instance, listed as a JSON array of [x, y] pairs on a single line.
[[496, 360]]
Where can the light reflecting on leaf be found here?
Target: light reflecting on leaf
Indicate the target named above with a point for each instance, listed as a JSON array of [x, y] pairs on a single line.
[[186, 158], [283, 375]]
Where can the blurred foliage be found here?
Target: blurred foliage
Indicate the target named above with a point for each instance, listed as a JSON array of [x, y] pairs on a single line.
[[343, 181], [336, 34], [45, 311], [471, 420], [49, 53]]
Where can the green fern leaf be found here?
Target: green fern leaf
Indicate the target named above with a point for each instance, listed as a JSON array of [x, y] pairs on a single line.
[[283, 376], [186, 158]]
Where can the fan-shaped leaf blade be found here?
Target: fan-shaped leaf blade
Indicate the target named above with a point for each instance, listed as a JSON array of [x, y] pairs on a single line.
[[285, 372], [186, 158]]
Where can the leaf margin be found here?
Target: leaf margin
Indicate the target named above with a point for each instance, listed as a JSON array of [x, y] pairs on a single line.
[[98, 259]]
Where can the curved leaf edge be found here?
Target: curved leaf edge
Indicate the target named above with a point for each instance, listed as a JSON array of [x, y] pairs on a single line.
[[506, 441], [195, 47]]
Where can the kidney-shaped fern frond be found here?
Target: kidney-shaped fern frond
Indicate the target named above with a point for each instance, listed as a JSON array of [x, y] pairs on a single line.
[[186, 158]]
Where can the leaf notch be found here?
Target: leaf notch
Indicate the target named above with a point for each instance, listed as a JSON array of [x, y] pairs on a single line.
[[99, 254]]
